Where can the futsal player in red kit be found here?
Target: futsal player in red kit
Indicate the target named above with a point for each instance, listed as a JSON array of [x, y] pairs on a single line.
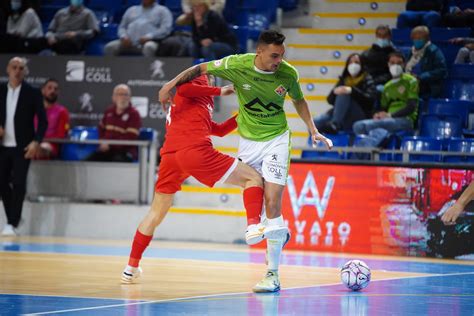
[[188, 151]]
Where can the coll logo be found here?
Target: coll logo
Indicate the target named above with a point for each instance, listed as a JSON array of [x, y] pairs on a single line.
[[75, 70], [141, 105], [85, 100], [156, 68]]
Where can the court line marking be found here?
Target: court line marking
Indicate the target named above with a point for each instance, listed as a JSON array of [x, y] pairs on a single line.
[[216, 296]]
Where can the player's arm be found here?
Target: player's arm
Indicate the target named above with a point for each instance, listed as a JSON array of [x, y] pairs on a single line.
[[302, 109], [450, 216], [224, 128], [164, 95]]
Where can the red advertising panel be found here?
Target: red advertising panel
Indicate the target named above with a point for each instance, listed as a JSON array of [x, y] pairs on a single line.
[[374, 209]]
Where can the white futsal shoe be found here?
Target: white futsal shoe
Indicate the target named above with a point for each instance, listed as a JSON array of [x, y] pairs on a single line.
[[9, 230], [270, 283], [254, 234], [130, 274], [276, 232]]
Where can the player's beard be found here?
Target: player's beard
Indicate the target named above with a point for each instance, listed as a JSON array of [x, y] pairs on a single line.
[[52, 98]]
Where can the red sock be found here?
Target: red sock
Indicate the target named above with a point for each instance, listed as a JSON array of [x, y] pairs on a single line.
[[253, 201], [140, 242]]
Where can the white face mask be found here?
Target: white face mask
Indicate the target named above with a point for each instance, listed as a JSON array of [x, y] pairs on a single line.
[[396, 70], [353, 69]]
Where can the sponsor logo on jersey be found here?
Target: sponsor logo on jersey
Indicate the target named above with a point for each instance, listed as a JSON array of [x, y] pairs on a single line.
[[218, 62], [258, 79], [256, 105], [280, 90], [246, 86]]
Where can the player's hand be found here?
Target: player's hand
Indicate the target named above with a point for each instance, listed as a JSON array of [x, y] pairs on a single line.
[[31, 149], [318, 137], [450, 216], [165, 97], [104, 147], [383, 115], [227, 90], [342, 90], [125, 42]]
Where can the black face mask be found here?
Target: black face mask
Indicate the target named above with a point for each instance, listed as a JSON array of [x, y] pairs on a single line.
[[52, 99]]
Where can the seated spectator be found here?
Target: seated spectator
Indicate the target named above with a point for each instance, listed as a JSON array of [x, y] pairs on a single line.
[[421, 12], [141, 29], [426, 62], [212, 38], [121, 121], [399, 105], [459, 18], [187, 16], [71, 28], [24, 33], [466, 53], [58, 120], [352, 98], [376, 57]]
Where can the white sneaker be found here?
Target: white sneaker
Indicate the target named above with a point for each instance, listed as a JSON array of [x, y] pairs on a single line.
[[130, 274], [276, 232], [254, 234], [270, 283], [9, 230]]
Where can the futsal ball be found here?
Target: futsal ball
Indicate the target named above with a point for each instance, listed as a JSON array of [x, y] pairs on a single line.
[[355, 274]]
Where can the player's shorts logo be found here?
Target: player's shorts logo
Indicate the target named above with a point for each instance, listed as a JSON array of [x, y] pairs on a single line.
[[280, 90]]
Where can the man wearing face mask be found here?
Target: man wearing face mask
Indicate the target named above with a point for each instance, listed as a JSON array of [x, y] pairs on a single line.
[[376, 57], [58, 120], [71, 28], [399, 105], [426, 61], [121, 121]]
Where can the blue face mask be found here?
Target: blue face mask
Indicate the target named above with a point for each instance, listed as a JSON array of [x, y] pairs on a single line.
[[76, 3], [418, 44], [15, 5], [382, 42]]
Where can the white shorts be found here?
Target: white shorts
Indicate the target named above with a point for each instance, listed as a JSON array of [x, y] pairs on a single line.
[[270, 158]]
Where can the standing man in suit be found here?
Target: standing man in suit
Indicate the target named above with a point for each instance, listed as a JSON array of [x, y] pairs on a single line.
[[19, 142]]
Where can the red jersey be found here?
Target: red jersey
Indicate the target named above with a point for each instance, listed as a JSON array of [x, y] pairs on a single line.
[[189, 120], [123, 126]]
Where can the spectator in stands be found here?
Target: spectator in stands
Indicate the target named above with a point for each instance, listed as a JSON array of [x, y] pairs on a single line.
[[141, 29], [426, 61], [19, 141], [399, 105], [121, 121], [376, 57], [24, 33], [459, 18], [187, 16], [58, 120], [4, 8], [71, 28], [422, 12], [212, 38], [466, 53], [352, 98]]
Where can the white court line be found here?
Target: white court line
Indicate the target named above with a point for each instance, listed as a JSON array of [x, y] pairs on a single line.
[[237, 293]]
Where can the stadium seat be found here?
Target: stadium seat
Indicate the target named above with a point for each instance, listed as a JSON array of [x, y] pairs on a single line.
[[288, 5], [462, 146], [417, 143], [462, 72], [393, 142], [74, 152], [451, 107], [339, 140], [459, 89], [441, 126], [242, 34], [147, 133], [360, 141]]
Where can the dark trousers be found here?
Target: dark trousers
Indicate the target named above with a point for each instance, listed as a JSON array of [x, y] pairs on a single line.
[[13, 172], [111, 156]]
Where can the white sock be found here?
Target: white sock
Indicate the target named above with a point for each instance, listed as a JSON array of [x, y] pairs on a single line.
[[130, 269], [277, 221], [274, 247]]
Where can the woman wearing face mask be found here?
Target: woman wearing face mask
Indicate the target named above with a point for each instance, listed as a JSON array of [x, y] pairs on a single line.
[[24, 33], [352, 98], [426, 62]]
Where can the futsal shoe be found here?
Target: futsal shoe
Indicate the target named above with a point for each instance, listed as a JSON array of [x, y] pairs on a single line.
[[254, 234], [9, 230], [276, 232], [130, 274], [270, 283]]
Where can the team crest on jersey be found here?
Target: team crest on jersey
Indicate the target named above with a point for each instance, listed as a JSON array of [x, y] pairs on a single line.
[[218, 62], [246, 86], [280, 90]]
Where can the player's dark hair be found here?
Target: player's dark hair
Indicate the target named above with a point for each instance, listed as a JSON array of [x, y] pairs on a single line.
[[269, 37], [398, 54], [50, 80]]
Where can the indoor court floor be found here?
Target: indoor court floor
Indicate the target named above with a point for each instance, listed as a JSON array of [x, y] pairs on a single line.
[[48, 276]]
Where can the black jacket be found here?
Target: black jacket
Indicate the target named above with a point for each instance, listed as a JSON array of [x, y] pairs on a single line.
[[427, 5], [30, 103], [364, 93], [214, 28], [375, 60]]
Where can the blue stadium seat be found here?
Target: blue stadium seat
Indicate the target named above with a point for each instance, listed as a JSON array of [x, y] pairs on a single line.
[[462, 146], [462, 72], [108, 32], [339, 140], [464, 4], [148, 133], [451, 107], [441, 126], [361, 142], [74, 152], [242, 34], [459, 89], [288, 5], [417, 143], [393, 142], [106, 10]]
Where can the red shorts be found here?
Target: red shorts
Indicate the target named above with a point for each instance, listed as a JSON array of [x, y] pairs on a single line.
[[204, 163]]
